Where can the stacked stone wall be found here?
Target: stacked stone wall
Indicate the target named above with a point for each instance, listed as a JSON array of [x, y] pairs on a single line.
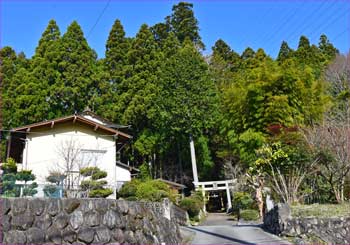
[[331, 230], [85, 221]]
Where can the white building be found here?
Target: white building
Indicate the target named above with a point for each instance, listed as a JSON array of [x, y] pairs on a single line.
[[67, 144]]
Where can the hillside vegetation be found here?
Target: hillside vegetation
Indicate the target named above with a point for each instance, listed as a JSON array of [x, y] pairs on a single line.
[[269, 122]]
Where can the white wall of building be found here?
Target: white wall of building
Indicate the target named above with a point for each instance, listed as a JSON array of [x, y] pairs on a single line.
[[44, 147]]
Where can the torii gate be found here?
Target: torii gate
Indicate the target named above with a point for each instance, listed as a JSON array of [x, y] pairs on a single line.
[[209, 185]]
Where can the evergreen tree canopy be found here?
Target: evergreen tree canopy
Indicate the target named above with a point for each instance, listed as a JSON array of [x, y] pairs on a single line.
[[48, 38], [76, 67], [326, 48], [184, 24], [285, 52]]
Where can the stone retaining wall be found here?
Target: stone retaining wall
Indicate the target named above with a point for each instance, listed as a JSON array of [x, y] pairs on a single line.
[[332, 230], [85, 221]]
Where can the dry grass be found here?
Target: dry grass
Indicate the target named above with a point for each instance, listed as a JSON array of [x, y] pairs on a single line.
[[322, 210]]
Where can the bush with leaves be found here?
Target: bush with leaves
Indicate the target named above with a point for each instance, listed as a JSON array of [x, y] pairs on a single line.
[[148, 190], [52, 189], [94, 185], [25, 176], [242, 201], [128, 190], [249, 214], [9, 176], [192, 206]]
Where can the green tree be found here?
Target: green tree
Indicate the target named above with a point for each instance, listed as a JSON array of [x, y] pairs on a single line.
[[327, 48], [44, 73], [111, 72], [188, 99], [48, 40], [285, 52], [25, 176], [78, 60], [8, 179], [94, 185], [137, 93], [13, 73], [184, 24]]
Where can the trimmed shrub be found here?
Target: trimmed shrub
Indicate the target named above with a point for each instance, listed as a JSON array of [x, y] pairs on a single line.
[[191, 205], [242, 200], [249, 214], [149, 190], [129, 189]]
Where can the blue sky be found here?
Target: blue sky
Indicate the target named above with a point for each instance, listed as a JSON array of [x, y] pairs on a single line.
[[240, 23]]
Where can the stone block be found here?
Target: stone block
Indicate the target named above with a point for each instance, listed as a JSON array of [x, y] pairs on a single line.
[[123, 206], [76, 219], [53, 206], [22, 221], [139, 237], [6, 223], [43, 222], [35, 236], [112, 219], [102, 205], [37, 206], [102, 235], [15, 237], [70, 205], [130, 237], [118, 235], [61, 220], [54, 234], [5, 206], [69, 235], [19, 206], [92, 218], [86, 234], [87, 205]]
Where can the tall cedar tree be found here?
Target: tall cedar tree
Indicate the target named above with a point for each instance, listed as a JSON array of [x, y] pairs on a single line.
[[138, 91], [188, 99], [327, 48], [285, 52], [45, 71], [184, 24], [113, 72], [16, 100], [77, 70]]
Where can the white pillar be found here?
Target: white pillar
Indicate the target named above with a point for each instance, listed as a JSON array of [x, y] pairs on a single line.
[[228, 194], [204, 200], [193, 158]]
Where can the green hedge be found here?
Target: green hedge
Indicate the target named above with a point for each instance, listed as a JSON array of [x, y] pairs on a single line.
[[148, 190], [191, 205], [249, 214]]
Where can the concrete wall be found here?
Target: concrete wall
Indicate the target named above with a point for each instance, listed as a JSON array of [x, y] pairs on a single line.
[[331, 230], [43, 147], [86, 221]]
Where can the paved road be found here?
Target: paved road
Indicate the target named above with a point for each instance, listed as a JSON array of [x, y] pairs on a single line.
[[220, 229]]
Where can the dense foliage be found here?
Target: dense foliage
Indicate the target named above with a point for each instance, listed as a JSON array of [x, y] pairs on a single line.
[[146, 190], [193, 204], [9, 187], [235, 106], [94, 182]]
